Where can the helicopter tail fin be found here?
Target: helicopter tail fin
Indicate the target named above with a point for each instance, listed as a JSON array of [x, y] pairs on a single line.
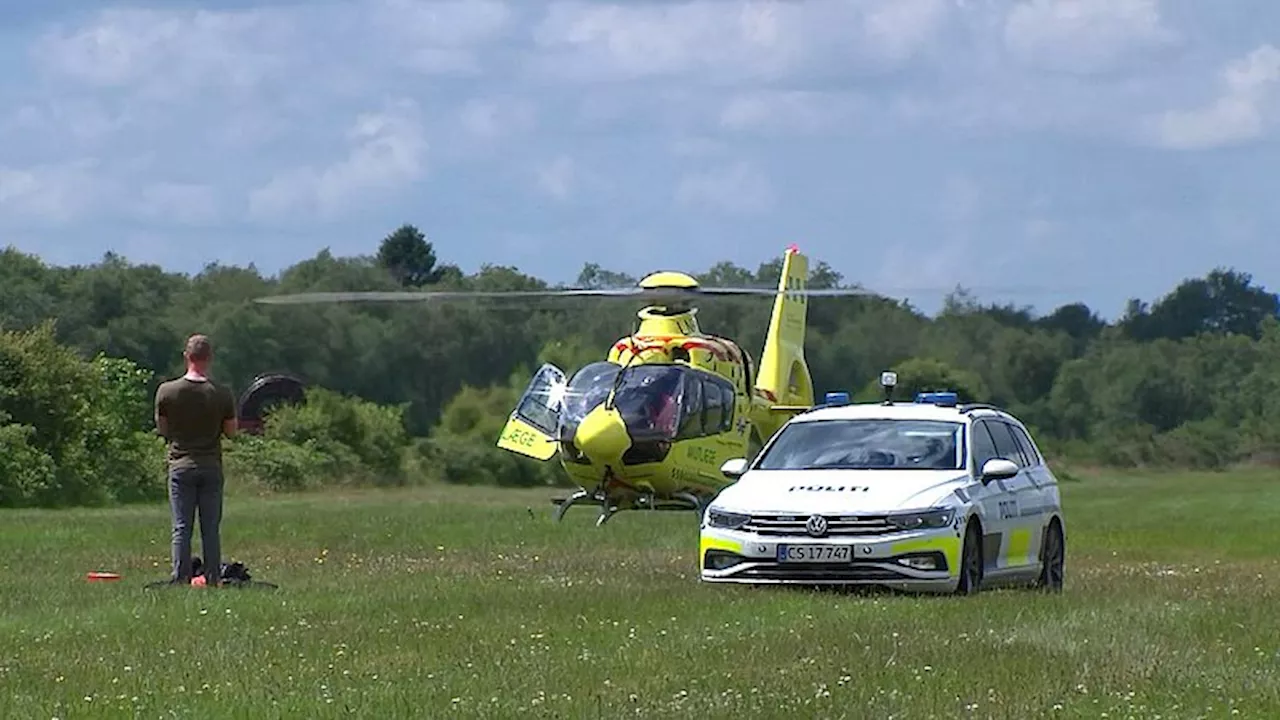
[[783, 375]]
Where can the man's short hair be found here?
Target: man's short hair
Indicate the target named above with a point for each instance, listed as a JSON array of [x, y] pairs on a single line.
[[199, 348]]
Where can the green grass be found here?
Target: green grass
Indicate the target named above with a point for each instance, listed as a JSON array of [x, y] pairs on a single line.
[[443, 602]]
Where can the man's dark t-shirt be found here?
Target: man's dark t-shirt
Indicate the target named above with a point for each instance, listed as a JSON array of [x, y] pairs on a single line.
[[195, 410]]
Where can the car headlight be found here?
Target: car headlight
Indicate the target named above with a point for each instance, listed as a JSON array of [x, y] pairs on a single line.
[[925, 519], [726, 520]]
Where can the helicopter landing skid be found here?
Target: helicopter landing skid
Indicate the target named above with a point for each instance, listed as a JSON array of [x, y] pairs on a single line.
[[682, 502]]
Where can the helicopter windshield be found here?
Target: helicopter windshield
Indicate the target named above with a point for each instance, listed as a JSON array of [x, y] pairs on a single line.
[[648, 399], [586, 389], [653, 400]]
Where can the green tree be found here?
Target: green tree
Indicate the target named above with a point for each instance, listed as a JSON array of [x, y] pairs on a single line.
[[1224, 301], [409, 257]]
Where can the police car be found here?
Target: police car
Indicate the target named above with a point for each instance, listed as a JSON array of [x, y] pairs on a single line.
[[930, 495]]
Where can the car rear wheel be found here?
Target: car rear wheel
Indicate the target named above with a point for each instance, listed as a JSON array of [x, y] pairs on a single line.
[[1053, 555], [970, 561]]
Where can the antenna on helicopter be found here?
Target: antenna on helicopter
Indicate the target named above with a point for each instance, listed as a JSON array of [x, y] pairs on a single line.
[[888, 381]]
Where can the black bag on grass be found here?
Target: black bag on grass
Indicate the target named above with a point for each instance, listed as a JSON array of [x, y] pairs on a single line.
[[231, 572]]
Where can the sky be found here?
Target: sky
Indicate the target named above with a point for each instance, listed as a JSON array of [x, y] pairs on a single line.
[[1036, 151]]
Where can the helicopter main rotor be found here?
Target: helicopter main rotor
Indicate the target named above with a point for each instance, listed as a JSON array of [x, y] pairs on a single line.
[[659, 294], [669, 288]]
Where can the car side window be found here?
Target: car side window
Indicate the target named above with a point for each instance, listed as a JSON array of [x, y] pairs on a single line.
[[983, 447], [692, 409], [1007, 443], [1028, 447]]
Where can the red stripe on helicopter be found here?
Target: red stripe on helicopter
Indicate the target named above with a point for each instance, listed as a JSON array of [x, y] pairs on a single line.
[[658, 343], [715, 349]]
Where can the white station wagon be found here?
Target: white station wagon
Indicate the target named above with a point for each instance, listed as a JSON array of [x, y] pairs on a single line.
[[930, 495]]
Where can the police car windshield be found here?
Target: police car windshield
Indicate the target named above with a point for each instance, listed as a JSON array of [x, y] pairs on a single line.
[[867, 444]]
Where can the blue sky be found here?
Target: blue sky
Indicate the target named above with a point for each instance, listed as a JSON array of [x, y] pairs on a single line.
[[1093, 149]]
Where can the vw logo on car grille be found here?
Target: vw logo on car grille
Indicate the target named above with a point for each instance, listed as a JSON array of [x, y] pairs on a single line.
[[816, 526]]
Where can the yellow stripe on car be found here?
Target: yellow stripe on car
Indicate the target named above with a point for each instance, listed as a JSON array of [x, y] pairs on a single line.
[[949, 546], [1019, 549], [714, 543]]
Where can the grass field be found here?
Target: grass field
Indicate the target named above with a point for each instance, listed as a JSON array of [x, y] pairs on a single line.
[[443, 602]]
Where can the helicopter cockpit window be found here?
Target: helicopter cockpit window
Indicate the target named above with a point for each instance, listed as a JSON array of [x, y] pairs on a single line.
[[729, 398], [713, 401], [866, 444], [648, 398], [586, 390], [691, 408]]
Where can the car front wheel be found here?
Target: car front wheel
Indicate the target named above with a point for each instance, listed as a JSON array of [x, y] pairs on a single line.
[[1053, 557], [970, 561]]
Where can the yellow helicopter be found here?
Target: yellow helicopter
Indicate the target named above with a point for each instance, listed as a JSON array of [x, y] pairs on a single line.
[[650, 426]]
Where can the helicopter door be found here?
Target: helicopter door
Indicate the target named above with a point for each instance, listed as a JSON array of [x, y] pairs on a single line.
[[531, 429]]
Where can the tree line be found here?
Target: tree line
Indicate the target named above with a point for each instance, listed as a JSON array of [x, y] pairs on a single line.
[[404, 391]]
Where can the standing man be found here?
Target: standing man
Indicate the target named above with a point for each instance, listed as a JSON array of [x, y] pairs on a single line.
[[192, 414]]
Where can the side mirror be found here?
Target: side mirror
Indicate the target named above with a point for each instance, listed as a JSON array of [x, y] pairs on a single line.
[[734, 469], [998, 469]]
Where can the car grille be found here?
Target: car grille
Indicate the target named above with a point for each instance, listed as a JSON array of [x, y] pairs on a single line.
[[814, 572], [837, 525]]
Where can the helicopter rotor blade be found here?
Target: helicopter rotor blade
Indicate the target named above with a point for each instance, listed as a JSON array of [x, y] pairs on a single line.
[[657, 294], [424, 296], [818, 292], [644, 293]]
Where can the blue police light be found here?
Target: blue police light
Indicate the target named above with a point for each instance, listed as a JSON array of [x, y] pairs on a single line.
[[837, 398], [942, 399]]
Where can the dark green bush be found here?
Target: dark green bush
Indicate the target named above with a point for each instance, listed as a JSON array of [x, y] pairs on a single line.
[[72, 428], [331, 439]]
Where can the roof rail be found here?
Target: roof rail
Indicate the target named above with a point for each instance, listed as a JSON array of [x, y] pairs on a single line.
[[970, 407]]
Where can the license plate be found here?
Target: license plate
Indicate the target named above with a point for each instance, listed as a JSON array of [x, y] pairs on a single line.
[[815, 553]]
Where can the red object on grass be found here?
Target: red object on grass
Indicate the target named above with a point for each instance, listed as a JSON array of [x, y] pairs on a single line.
[[102, 576], [198, 581]]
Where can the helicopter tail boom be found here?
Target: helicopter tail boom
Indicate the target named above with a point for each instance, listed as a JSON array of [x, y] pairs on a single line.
[[783, 376]]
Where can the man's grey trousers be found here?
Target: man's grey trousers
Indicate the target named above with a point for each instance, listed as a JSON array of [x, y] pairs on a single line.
[[192, 490]]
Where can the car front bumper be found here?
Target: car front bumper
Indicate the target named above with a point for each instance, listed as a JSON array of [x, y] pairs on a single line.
[[732, 556]]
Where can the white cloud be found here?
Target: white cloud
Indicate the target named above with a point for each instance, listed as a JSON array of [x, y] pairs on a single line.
[[180, 53], [740, 187], [169, 53], [556, 178], [727, 42], [48, 193], [960, 204], [439, 36], [197, 117], [182, 203], [388, 151], [895, 30], [1039, 229], [1238, 114], [494, 118], [82, 120], [696, 146], [790, 110], [947, 256], [1085, 36], [601, 41]]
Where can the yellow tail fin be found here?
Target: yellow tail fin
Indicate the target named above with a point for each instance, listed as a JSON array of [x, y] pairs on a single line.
[[784, 376]]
